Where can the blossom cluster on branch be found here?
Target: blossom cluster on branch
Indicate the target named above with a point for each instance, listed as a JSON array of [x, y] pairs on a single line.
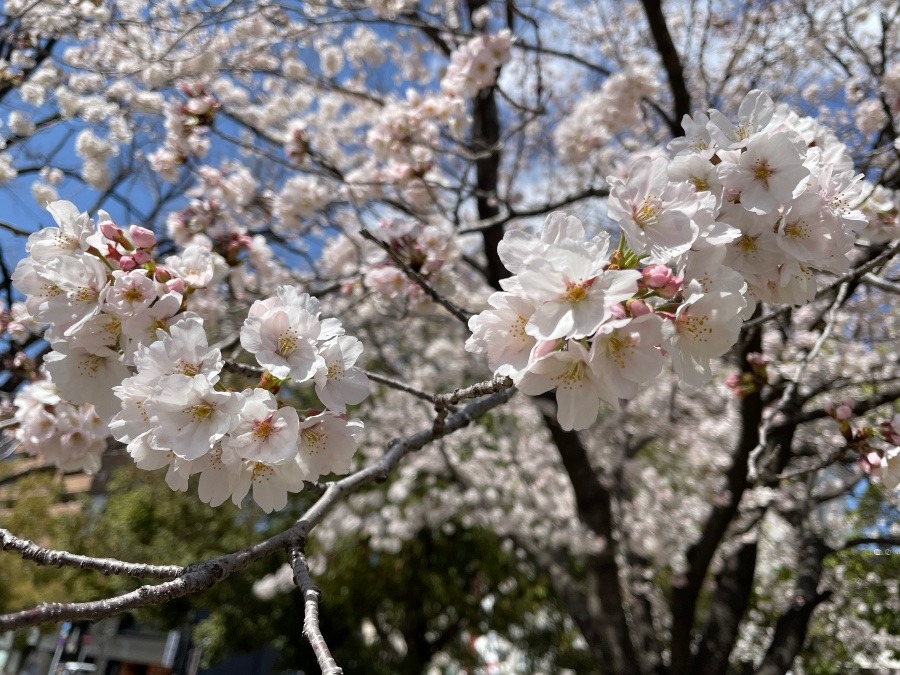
[[743, 212], [128, 351]]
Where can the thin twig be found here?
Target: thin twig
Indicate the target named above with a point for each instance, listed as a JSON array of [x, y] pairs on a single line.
[[400, 386], [790, 391], [311, 630], [444, 402], [461, 314], [19, 232], [45, 556]]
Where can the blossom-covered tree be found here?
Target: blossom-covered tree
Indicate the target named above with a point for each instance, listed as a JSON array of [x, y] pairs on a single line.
[[613, 283]]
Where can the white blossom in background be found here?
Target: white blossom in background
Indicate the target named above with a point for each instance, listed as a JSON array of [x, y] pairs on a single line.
[[70, 436]]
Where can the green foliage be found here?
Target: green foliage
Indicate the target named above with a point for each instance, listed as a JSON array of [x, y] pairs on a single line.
[[439, 591], [25, 584]]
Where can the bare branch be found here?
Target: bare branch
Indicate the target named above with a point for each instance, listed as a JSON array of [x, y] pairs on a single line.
[[45, 556], [311, 630], [200, 577], [19, 232], [537, 210], [461, 314]]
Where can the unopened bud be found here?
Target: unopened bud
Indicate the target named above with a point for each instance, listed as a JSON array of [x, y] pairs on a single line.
[[543, 348], [162, 275], [141, 256], [871, 461], [661, 279], [142, 237], [843, 413], [638, 308], [127, 263], [110, 230], [617, 312], [176, 285]]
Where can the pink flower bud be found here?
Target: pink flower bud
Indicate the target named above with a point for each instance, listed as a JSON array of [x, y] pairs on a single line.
[[127, 263], [733, 381], [870, 463], [162, 275], [142, 237], [639, 308], [141, 257], [617, 312], [661, 278], [757, 359], [656, 276], [843, 412], [110, 230], [176, 285]]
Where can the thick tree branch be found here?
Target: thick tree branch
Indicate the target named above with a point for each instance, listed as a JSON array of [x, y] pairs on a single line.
[[700, 554], [792, 626], [605, 624], [200, 577], [734, 584], [671, 62]]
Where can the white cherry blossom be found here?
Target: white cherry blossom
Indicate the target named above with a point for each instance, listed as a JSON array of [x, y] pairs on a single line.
[[579, 389], [263, 432], [188, 415], [338, 381], [656, 215]]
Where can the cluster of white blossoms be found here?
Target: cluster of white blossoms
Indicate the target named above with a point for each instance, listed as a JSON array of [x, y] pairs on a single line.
[[597, 117], [130, 358], [430, 250], [743, 212], [186, 126], [474, 65], [73, 437], [784, 182]]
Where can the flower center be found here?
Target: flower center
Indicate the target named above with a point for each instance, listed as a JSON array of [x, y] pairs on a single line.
[[576, 292], [572, 376], [313, 439], [747, 244], [262, 429], [132, 295], [695, 325], [617, 348], [262, 472], [647, 212], [796, 229], [201, 411], [287, 344], [762, 172]]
